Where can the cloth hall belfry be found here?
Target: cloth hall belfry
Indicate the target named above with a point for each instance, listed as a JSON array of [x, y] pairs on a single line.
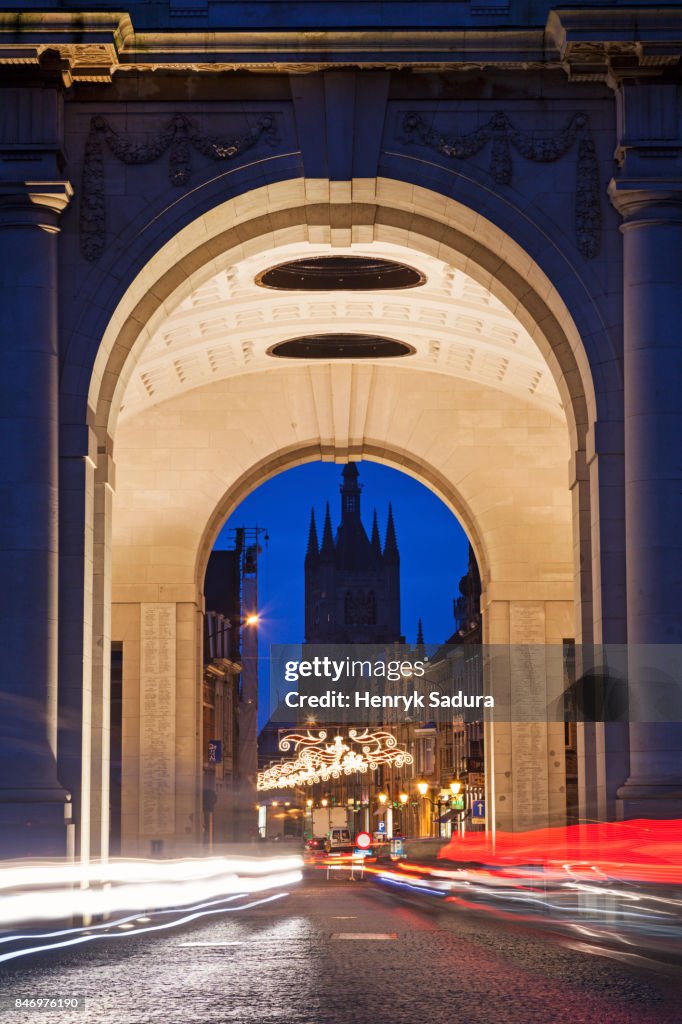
[[352, 581]]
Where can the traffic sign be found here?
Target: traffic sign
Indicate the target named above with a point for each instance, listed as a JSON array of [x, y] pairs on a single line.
[[478, 812], [363, 840]]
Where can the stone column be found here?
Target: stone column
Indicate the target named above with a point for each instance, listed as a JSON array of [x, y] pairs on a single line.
[[32, 802], [652, 239]]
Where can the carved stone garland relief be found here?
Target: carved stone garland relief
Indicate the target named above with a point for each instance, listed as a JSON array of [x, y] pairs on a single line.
[[179, 136], [538, 146]]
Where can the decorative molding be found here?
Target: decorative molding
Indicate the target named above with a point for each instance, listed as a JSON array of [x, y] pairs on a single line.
[[620, 43], [179, 136], [590, 42], [537, 146]]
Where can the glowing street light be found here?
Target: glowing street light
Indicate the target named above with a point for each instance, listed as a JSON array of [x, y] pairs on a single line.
[[324, 802], [423, 788], [309, 803], [383, 797], [403, 798], [251, 620], [455, 787]]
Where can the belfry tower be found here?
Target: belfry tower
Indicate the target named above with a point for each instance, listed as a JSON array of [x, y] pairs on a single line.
[[352, 583]]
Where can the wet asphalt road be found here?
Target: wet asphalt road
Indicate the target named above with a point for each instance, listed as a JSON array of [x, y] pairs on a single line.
[[339, 952]]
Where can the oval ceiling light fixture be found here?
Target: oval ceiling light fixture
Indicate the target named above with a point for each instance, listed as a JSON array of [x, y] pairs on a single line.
[[341, 346], [340, 273]]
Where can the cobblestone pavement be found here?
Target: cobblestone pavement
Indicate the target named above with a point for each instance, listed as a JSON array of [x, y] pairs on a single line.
[[299, 960]]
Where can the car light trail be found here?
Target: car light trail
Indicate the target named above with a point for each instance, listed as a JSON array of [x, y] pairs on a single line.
[[21, 876], [56, 904], [147, 885], [79, 940], [5, 939]]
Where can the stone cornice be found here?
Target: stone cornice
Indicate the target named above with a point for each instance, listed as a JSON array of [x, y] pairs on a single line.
[[590, 43], [93, 47], [609, 44]]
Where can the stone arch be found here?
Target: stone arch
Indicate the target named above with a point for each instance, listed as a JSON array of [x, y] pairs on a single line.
[[287, 459], [164, 530], [299, 211], [202, 240]]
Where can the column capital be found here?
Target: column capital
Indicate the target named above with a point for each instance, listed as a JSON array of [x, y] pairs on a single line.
[[647, 200], [33, 202]]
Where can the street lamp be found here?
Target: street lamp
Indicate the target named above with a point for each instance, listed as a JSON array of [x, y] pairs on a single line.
[[423, 789], [459, 791], [403, 798], [437, 805], [325, 803], [386, 812]]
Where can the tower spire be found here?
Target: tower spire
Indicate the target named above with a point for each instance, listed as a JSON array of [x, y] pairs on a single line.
[[391, 544], [420, 635], [350, 493], [327, 550], [376, 538], [312, 550]]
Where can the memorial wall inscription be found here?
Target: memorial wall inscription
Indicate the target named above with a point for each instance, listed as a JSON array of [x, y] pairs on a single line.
[[157, 719], [528, 701]]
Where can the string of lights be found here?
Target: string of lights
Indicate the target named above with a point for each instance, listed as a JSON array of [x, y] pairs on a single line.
[[318, 761]]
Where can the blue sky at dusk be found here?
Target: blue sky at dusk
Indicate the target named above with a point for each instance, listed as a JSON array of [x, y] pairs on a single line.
[[433, 546]]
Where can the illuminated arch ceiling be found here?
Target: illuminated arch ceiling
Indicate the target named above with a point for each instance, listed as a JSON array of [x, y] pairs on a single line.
[[228, 324]]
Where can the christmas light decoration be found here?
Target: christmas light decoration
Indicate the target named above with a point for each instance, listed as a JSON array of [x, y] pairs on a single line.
[[318, 761]]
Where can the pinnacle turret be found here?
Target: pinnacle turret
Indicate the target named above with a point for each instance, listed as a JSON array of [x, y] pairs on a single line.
[[313, 550], [327, 550], [376, 538], [391, 544]]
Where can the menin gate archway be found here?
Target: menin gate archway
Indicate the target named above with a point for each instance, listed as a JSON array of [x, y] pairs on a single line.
[[533, 546]]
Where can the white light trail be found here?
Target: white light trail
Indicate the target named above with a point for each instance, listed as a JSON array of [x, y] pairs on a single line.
[[147, 885], [108, 924], [21, 875], [16, 954], [56, 904]]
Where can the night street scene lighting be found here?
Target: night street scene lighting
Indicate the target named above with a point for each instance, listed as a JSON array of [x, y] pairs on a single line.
[[340, 504]]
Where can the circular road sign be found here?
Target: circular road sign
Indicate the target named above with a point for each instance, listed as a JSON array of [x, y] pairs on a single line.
[[363, 840]]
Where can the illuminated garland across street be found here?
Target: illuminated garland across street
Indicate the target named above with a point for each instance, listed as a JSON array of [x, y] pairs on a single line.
[[317, 761]]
